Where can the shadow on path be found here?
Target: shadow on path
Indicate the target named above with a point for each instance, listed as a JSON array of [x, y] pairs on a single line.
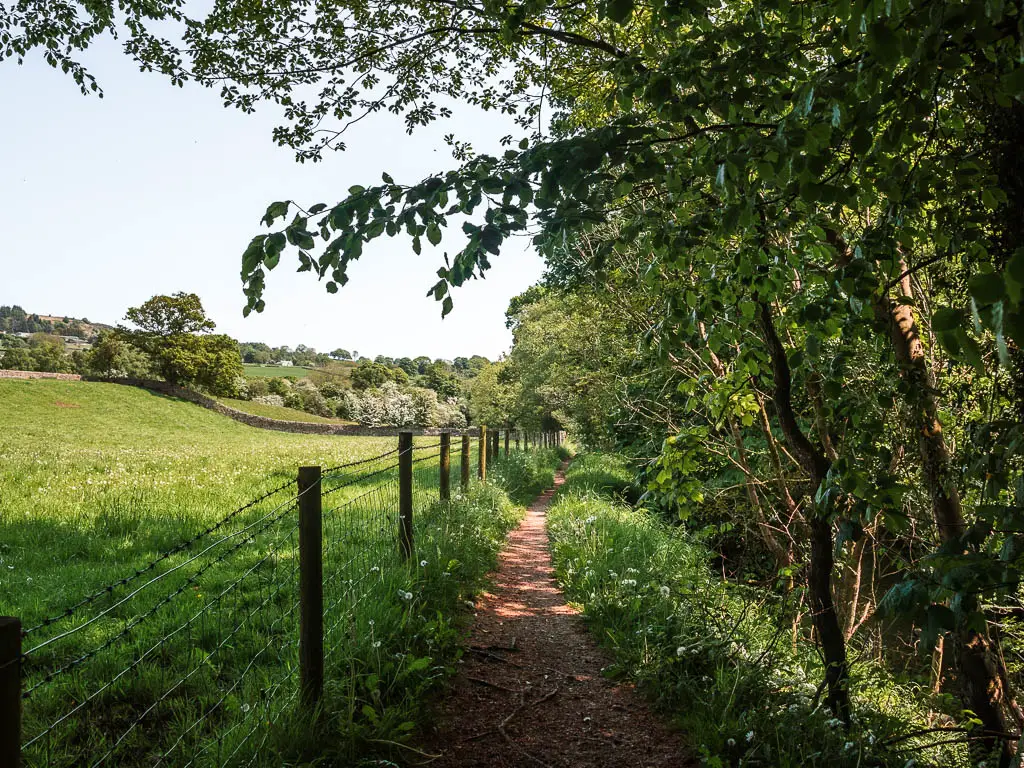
[[530, 690]]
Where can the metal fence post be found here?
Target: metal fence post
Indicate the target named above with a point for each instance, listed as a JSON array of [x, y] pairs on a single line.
[[405, 493], [481, 470], [444, 481], [464, 468], [10, 691], [311, 587]]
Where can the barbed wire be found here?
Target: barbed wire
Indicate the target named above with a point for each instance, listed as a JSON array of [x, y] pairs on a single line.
[[247, 649], [426, 447], [190, 581], [108, 589], [359, 479], [158, 644], [384, 455], [168, 572]]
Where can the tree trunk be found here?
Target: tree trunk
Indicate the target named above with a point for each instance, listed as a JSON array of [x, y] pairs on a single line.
[[819, 576], [979, 663]]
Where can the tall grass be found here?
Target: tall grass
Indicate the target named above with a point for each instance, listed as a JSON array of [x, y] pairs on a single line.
[[98, 480], [719, 657]]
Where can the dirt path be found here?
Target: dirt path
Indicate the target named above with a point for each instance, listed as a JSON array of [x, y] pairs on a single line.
[[530, 690]]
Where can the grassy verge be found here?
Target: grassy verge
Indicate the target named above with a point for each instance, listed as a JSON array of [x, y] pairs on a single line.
[[718, 657], [525, 474], [278, 412]]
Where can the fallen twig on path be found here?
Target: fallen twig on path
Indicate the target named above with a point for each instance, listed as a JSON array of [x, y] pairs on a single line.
[[516, 711], [495, 656], [489, 684]]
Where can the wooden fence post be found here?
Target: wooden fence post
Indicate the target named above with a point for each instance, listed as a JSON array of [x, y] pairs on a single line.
[[311, 587], [517, 439], [405, 493], [466, 458], [506, 441], [481, 470], [495, 450], [444, 482], [10, 691]]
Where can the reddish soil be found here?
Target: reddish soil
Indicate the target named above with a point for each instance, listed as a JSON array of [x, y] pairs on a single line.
[[530, 692]]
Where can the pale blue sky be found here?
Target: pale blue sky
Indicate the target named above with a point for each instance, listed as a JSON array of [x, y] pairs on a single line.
[[155, 189]]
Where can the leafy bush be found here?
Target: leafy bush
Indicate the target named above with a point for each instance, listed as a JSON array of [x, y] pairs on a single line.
[[331, 390], [279, 386], [348, 406], [257, 387], [718, 655]]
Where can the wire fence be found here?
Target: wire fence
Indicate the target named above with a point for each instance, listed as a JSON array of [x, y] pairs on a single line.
[[193, 657]]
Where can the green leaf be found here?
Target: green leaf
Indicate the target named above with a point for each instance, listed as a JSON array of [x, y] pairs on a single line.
[[446, 306], [619, 11], [419, 664], [433, 233], [947, 319], [986, 288], [275, 211], [860, 141], [332, 287]]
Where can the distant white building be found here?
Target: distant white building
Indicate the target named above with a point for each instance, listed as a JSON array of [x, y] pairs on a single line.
[[286, 363]]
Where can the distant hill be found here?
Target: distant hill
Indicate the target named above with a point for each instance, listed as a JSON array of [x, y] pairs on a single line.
[[15, 320]]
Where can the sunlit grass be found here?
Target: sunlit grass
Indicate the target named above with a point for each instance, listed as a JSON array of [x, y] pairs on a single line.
[[97, 481], [717, 656]]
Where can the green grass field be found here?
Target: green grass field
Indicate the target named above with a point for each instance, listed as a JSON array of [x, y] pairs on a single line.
[[99, 480], [271, 371], [278, 412]]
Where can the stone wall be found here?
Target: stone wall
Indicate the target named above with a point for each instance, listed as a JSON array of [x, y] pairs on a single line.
[[39, 375], [262, 422]]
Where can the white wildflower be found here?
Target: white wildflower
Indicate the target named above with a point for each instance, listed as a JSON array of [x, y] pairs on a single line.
[[681, 650], [404, 595], [849, 745], [423, 563], [750, 736], [665, 591], [629, 582], [730, 743]]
